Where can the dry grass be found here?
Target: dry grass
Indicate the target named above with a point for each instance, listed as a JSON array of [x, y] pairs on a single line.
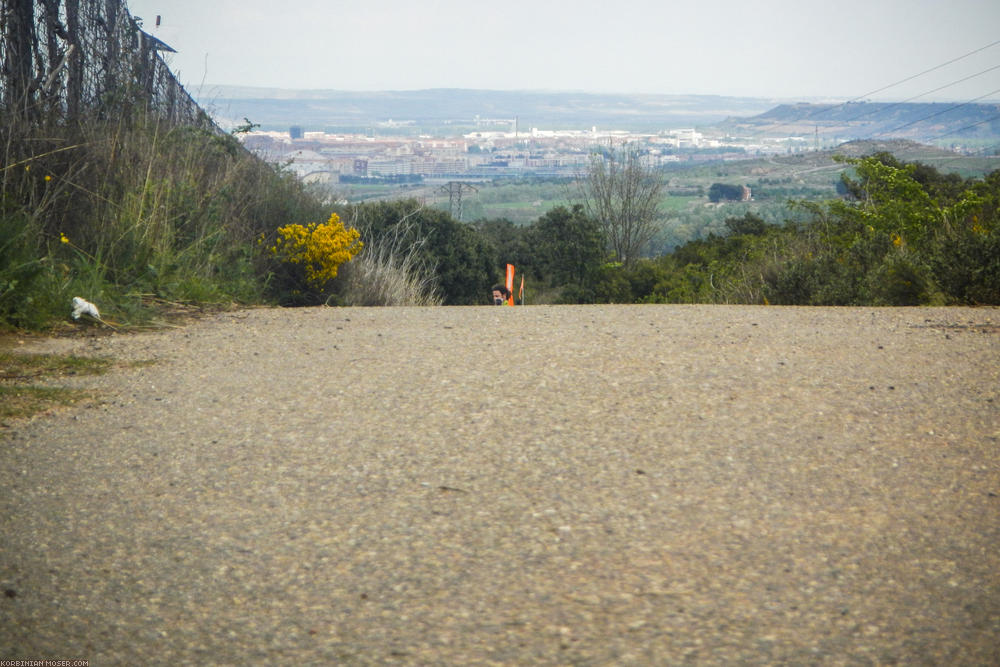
[[389, 272]]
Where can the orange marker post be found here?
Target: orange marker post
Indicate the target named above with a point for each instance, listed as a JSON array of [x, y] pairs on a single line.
[[510, 284]]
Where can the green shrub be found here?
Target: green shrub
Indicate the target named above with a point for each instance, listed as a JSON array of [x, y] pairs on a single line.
[[966, 265], [899, 281], [463, 260]]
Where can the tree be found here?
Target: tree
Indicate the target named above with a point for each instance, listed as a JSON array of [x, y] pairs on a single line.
[[622, 194], [722, 191], [888, 200], [508, 244], [751, 224], [568, 246]]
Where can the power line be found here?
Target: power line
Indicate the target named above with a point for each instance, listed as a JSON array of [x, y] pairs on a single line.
[[937, 113], [928, 71], [969, 127], [896, 104], [819, 112]]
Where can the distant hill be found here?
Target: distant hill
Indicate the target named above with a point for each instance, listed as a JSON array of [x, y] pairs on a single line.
[[873, 120], [459, 108]]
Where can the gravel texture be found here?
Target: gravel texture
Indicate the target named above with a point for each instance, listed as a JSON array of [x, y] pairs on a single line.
[[585, 485]]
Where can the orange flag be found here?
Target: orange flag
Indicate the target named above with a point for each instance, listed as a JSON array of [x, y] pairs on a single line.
[[510, 284]]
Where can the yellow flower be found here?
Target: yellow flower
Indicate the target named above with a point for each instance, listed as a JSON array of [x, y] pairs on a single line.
[[47, 178], [62, 238], [319, 248]]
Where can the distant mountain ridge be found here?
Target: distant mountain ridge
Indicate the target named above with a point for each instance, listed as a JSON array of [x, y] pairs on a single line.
[[864, 120]]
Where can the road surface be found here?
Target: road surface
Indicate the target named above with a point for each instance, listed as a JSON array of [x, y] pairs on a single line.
[[587, 485]]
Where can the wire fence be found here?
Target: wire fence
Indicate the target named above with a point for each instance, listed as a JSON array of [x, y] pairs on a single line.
[[66, 59]]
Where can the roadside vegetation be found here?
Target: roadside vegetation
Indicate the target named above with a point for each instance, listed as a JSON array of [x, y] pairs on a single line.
[[115, 187], [140, 217], [132, 214], [897, 234]]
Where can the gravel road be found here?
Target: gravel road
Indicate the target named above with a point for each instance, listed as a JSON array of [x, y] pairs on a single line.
[[587, 485]]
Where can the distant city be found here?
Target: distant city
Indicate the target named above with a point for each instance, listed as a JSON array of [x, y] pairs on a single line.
[[343, 137], [489, 153]]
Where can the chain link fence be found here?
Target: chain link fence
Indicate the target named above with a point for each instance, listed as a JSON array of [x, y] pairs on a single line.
[[65, 59]]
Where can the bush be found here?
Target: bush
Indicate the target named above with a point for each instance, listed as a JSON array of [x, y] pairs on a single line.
[[899, 281], [612, 285], [308, 258], [966, 265]]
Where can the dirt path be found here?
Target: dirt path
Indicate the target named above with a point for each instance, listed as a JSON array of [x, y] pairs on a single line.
[[539, 485]]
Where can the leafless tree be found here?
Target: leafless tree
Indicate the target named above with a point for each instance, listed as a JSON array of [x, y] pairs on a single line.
[[623, 193]]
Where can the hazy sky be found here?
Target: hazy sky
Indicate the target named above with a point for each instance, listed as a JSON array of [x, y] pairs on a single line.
[[842, 49]]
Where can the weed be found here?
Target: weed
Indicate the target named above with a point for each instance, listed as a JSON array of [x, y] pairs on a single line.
[[390, 272], [14, 366], [18, 402], [20, 397]]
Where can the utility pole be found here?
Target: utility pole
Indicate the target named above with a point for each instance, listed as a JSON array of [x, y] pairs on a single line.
[[454, 190]]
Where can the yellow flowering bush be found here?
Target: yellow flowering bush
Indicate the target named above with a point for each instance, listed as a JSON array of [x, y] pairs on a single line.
[[315, 251]]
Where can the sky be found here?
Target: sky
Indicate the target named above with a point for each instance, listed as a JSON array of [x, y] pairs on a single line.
[[781, 49]]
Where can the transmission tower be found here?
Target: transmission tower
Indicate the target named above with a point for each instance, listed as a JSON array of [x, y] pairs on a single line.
[[454, 190]]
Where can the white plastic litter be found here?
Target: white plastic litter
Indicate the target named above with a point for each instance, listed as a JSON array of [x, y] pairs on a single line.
[[84, 307]]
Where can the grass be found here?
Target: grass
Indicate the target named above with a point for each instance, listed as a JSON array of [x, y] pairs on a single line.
[[20, 402], [18, 367], [130, 209], [21, 397]]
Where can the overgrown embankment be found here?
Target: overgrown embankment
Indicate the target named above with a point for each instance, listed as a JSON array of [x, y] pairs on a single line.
[[127, 211]]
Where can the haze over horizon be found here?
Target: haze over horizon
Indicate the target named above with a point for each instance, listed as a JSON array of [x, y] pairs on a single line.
[[780, 49]]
